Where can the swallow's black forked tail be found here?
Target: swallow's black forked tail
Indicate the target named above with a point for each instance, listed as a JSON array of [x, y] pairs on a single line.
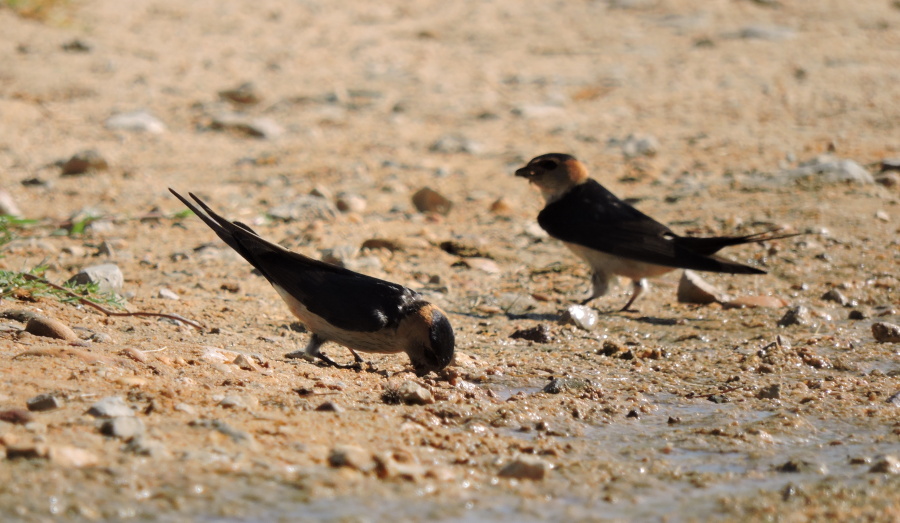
[[222, 227], [712, 245]]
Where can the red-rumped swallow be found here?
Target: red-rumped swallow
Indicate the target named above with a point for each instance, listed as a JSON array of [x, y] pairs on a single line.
[[616, 239], [357, 311]]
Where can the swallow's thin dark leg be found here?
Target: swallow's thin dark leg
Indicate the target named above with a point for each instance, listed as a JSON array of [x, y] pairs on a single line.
[[599, 286], [638, 288], [311, 352]]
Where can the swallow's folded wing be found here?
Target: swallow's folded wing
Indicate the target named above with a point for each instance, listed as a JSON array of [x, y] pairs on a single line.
[[591, 216], [346, 299]]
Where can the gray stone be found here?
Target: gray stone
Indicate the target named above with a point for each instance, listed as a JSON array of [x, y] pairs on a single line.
[[799, 315], [136, 121], [142, 445], [764, 32], [43, 402], [108, 277], [772, 392], [633, 146], [122, 427], [305, 208], [455, 144], [838, 297], [827, 169], [110, 407]]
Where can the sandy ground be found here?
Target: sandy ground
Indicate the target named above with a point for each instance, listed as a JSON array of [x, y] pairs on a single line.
[[677, 412]]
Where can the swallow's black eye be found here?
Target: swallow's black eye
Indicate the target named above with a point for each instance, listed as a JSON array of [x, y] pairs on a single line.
[[547, 165]]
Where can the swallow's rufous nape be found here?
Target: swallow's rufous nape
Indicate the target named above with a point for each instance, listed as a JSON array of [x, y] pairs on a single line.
[[616, 239], [357, 311]]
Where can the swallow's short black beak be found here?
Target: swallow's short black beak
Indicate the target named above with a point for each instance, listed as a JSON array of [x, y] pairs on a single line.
[[524, 172]]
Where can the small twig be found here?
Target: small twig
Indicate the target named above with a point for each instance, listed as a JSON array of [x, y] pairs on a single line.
[[104, 310]]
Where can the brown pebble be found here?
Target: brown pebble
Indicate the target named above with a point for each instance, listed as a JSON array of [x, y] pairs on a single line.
[[501, 207], [50, 328], [382, 243], [694, 289], [885, 332], [429, 200], [17, 416], [526, 467], [83, 162]]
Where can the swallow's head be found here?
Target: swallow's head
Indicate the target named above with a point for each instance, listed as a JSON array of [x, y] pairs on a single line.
[[431, 339], [554, 174]]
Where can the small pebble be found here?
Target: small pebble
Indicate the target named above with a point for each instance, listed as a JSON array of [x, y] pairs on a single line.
[[122, 427], [145, 446], [455, 144], [526, 467], [412, 393], [304, 209], [137, 121], [429, 200], [71, 457], [110, 407], [827, 169], [382, 243], [885, 332], [43, 402], [482, 264], [347, 202], [772, 392], [84, 162], [50, 328], [16, 416], [167, 294], [244, 94], [108, 277], [239, 401], [803, 466], [581, 316], [694, 289], [799, 315], [262, 127], [330, 406], [886, 465], [838, 297], [538, 334], [245, 363], [8, 205], [750, 302], [351, 456]]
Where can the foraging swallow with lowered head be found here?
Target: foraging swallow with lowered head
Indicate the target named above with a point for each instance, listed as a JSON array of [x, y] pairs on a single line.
[[616, 239], [357, 311]]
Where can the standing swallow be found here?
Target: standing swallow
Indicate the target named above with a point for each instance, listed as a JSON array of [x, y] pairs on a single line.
[[336, 304], [616, 239]]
